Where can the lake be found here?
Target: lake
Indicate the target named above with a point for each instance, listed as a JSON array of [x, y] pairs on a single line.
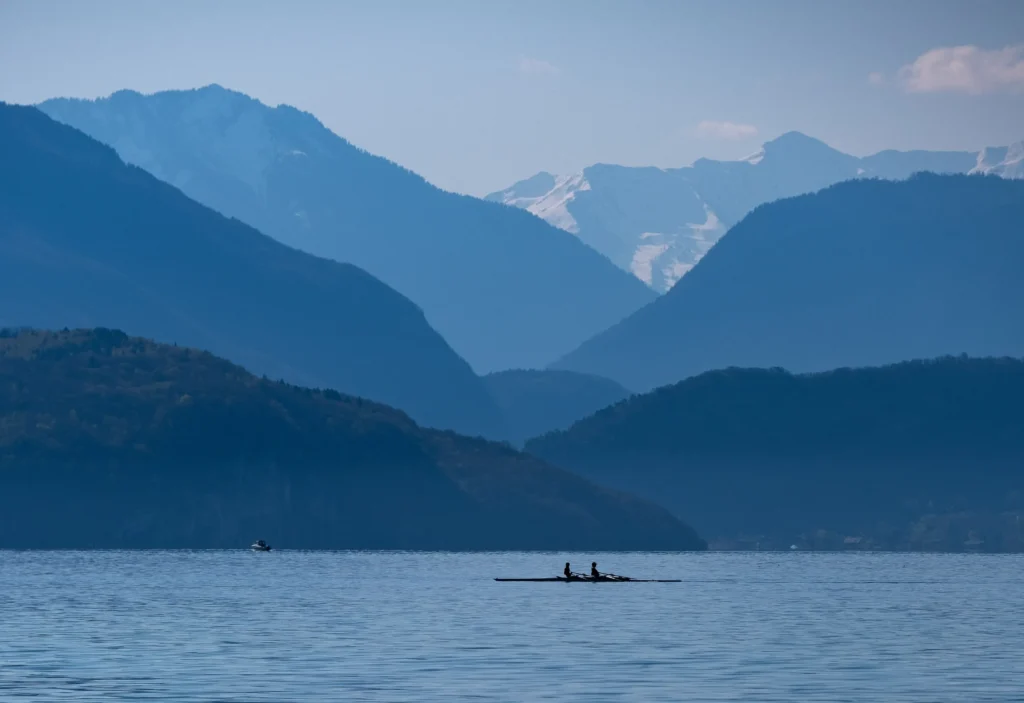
[[394, 626]]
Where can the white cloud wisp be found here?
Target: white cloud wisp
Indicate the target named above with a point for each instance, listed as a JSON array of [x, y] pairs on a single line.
[[965, 69], [537, 67], [731, 131]]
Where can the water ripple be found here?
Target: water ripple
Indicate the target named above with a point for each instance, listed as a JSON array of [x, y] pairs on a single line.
[[362, 626]]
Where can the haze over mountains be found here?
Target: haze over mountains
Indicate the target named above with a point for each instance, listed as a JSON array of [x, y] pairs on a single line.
[[658, 223], [865, 272], [918, 455], [505, 289], [87, 240], [110, 441], [534, 402]]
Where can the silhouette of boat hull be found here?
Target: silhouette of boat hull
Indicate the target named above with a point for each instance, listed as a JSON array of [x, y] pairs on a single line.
[[588, 579]]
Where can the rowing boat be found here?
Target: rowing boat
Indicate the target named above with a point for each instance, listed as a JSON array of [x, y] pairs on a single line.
[[588, 579]]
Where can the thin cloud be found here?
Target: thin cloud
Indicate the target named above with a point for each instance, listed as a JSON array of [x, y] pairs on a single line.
[[965, 69], [876, 78], [537, 67], [732, 131]]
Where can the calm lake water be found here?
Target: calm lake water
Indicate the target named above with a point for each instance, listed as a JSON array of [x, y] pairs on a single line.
[[353, 626]]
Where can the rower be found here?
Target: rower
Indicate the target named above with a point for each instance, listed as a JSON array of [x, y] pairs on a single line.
[[594, 573], [568, 571]]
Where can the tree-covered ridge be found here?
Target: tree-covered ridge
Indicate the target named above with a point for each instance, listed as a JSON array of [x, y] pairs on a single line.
[[111, 440], [920, 405], [874, 454], [84, 393]]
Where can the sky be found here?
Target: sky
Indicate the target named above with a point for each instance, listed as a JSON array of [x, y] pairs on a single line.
[[475, 95]]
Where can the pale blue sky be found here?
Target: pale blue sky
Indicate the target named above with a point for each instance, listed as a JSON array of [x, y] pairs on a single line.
[[475, 95]]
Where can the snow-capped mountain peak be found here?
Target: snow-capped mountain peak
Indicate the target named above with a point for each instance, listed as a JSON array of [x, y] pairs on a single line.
[[658, 223], [553, 206], [525, 192], [755, 158], [1005, 161], [549, 203]]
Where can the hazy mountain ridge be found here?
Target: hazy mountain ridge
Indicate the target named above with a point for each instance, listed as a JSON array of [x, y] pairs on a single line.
[[535, 402], [862, 273], [917, 455], [88, 240], [113, 441], [504, 289], [658, 223]]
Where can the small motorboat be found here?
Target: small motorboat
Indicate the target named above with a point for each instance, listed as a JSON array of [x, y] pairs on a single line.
[[260, 546]]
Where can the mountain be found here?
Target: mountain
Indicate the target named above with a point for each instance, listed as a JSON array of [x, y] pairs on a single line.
[[504, 289], [919, 455], [87, 240], [863, 273], [535, 402], [648, 221], [658, 223], [1006, 161], [110, 441]]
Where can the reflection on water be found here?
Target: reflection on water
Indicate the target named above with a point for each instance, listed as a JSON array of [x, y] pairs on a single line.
[[352, 626]]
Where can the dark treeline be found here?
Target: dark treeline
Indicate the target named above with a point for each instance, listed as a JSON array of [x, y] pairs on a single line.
[[112, 441], [924, 454]]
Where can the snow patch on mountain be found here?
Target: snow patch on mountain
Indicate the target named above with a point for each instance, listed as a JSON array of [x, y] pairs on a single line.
[[675, 270], [523, 193], [645, 256], [756, 157], [711, 224], [698, 241], [553, 206], [1005, 161], [547, 197], [662, 258]]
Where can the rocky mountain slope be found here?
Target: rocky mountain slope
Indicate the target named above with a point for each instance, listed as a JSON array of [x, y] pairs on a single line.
[[88, 240], [505, 289]]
